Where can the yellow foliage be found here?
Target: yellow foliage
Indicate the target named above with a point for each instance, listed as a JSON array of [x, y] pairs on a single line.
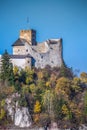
[[75, 109], [15, 70], [27, 69], [76, 80], [78, 113], [2, 113], [76, 84], [29, 79], [29, 75], [83, 77], [2, 103], [25, 89], [48, 84], [63, 85], [65, 110], [32, 88], [40, 75], [37, 107]]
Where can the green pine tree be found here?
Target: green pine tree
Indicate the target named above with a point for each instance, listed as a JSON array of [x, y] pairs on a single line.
[[6, 73]]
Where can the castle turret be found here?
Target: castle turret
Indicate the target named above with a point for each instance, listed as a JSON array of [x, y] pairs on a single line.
[[29, 36]]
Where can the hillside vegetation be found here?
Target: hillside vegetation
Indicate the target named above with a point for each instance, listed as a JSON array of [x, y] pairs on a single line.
[[52, 94]]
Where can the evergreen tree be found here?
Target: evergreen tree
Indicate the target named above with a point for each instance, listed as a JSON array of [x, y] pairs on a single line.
[[6, 68]]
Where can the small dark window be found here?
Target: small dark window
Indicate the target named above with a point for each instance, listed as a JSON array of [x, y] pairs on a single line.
[[52, 62], [28, 61], [18, 50], [27, 50], [42, 57]]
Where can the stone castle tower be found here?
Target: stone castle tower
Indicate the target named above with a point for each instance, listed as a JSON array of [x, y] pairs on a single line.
[[29, 36], [27, 52]]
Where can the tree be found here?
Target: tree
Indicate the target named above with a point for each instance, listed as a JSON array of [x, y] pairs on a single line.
[[32, 88], [29, 75], [37, 107], [40, 75], [63, 86], [85, 104], [2, 113], [66, 71], [67, 113], [76, 83], [59, 102], [48, 102], [83, 77], [6, 68]]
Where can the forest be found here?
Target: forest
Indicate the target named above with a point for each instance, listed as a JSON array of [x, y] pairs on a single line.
[[52, 94]]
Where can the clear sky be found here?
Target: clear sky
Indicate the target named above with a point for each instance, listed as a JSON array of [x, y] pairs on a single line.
[[66, 19]]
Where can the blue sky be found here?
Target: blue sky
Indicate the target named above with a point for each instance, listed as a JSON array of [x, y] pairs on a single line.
[[66, 19]]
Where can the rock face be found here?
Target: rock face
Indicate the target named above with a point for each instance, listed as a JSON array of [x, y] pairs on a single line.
[[22, 117], [19, 115]]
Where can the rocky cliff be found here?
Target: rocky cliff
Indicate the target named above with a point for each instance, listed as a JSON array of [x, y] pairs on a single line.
[[19, 115]]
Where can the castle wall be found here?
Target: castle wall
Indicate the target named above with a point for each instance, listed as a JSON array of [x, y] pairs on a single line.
[[18, 50], [56, 54], [52, 57], [21, 50], [28, 62], [43, 60], [21, 63]]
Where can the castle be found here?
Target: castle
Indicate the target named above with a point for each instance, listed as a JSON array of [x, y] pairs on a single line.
[[27, 52]]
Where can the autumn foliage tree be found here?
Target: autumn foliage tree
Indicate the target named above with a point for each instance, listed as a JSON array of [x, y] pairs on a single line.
[[52, 93], [37, 107]]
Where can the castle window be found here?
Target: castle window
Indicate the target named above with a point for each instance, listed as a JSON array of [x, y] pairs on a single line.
[[42, 57], [18, 50], [52, 62], [28, 62], [26, 50]]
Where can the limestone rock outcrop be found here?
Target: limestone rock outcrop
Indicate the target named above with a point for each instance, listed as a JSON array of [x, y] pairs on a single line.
[[19, 115]]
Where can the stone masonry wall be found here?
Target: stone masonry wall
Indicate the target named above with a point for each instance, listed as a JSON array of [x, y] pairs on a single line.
[[52, 57]]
